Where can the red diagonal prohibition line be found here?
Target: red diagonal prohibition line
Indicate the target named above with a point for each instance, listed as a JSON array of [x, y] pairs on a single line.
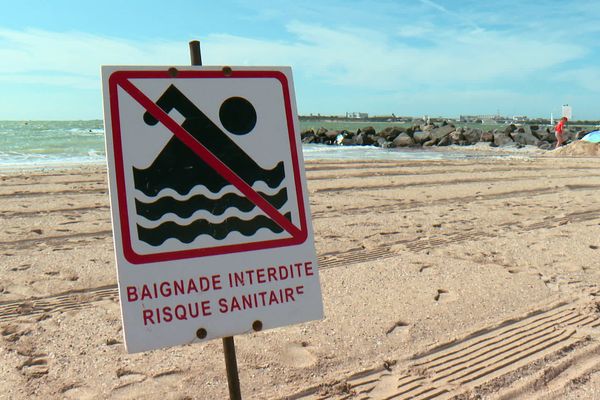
[[209, 158]]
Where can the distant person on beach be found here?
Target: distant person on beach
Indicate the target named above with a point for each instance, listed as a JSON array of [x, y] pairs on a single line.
[[558, 131]]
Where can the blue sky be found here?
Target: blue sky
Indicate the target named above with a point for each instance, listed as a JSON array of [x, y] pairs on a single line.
[[427, 57]]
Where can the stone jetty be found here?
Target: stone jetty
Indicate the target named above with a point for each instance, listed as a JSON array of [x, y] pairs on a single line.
[[443, 134]]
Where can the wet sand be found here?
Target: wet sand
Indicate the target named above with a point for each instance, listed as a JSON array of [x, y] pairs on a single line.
[[441, 279]]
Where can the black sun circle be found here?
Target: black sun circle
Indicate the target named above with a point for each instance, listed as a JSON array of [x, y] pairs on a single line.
[[237, 115]]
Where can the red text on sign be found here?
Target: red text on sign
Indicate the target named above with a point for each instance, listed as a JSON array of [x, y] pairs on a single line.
[[259, 299], [180, 312], [173, 288], [271, 274]]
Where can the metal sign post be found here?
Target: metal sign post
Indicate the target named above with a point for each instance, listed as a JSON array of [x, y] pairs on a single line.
[[195, 54], [233, 379]]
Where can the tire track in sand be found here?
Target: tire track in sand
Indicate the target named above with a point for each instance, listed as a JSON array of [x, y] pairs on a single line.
[[380, 171], [44, 240], [72, 300], [452, 200], [494, 357], [63, 211], [442, 183], [84, 298], [391, 249], [70, 192], [347, 210]]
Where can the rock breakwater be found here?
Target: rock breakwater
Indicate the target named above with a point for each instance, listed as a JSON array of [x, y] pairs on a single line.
[[444, 134]]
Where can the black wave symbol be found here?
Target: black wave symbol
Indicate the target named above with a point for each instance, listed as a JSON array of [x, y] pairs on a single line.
[[186, 208], [187, 234], [179, 168]]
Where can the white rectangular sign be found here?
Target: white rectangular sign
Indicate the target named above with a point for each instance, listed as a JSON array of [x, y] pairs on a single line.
[[209, 204], [567, 111]]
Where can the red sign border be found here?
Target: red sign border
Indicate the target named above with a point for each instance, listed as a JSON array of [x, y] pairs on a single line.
[[122, 79]]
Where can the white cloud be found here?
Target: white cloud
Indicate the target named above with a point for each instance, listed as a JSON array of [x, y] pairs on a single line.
[[584, 77], [434, 5], [73, 58], [371, 59], [414, 31], [371, 62], [61, 79], [342, 56]]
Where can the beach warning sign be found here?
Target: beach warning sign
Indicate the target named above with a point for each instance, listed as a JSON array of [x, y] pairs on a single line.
[[209, 203]]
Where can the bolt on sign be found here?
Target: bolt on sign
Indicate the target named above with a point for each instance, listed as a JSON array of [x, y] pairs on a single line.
[[209, 203]]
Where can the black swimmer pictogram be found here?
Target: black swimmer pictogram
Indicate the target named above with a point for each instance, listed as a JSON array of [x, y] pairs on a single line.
[[179, 168]]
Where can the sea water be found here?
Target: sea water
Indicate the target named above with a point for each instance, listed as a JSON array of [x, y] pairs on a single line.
[[51, 143], [32, 144]]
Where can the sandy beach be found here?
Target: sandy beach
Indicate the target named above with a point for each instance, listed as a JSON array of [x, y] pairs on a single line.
[[441, 280]]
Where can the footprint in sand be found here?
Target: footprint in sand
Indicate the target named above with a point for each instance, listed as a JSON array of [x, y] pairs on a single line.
[[424, 267], [298, 355], [385, 387], [128, 378], [21, 290], [169, 378], [398, 328], [13, 332], [443, 296], [34, 367], [550, 282], [74, 391], [22, 267]]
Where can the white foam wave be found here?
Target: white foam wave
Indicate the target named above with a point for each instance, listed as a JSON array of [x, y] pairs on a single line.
[[233, 237], [84, 130], [258, 186], [207, 216]]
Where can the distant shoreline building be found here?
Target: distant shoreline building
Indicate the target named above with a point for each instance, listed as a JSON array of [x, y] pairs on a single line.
[[493, 119], [481, 118], [357, 115], [520, 118]]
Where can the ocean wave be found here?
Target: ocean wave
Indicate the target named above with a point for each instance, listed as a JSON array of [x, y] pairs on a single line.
[[207, 216], [206, 241], [258, 186], [85, 130], [187, 234], [156, 210], [14, 159], [182, 173]]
